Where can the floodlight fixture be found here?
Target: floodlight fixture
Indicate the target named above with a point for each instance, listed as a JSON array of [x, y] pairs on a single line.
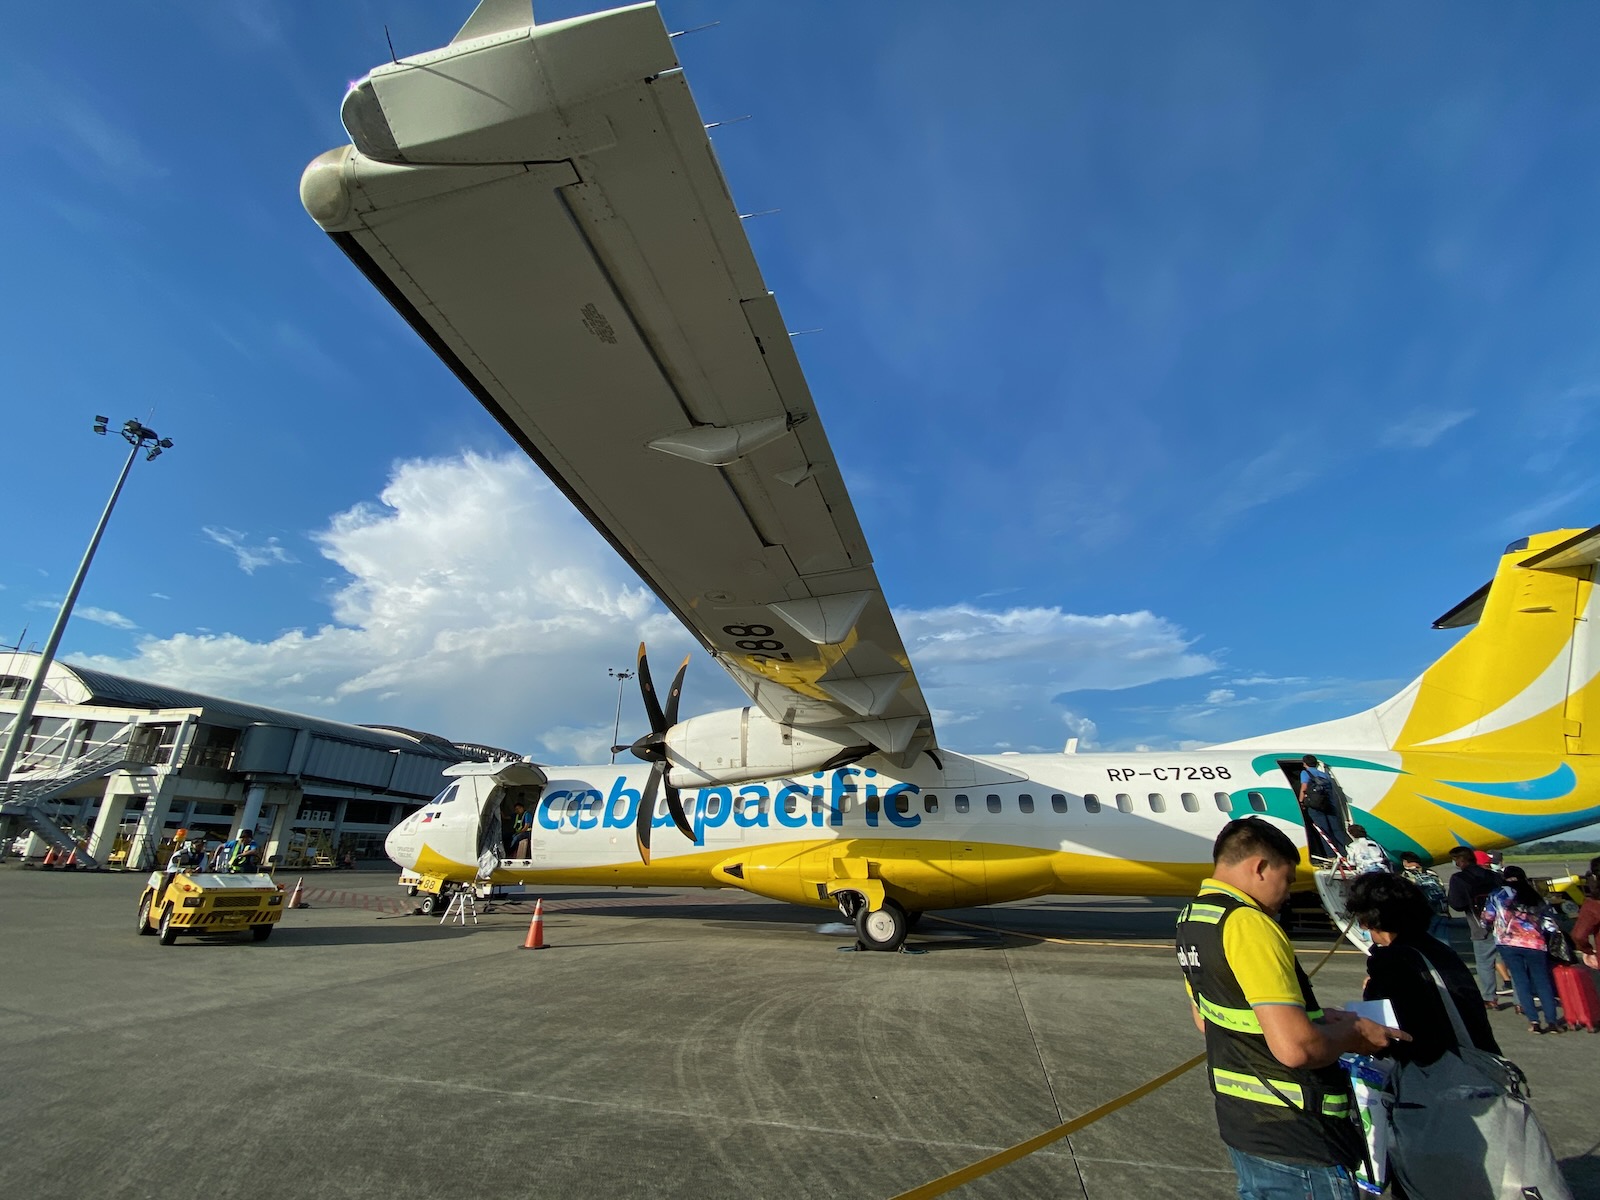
[[100, 424]]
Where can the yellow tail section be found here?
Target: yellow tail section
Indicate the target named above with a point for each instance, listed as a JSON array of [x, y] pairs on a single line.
[[1523, 678]]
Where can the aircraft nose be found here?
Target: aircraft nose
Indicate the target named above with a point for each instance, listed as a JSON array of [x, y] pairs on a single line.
[[400, 847]]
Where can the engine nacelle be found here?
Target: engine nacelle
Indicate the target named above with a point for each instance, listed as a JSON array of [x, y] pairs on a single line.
[[741, 744]]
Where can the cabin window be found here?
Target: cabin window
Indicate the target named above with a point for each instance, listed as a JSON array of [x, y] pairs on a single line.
[[962, 803], [1158, 802], [791, 804], [992, 801], [661, 807], [902, 804], [1257, 801], [1124, 802], [1224, 802], [1025, 802], [1058, 802], [619, 810], [714, 806], [1191, 802], [574, 808], [872, 805], [1091, 802], [930, 803]]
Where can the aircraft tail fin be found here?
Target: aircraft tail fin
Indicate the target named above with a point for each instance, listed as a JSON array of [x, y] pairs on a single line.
[[1523, 679]]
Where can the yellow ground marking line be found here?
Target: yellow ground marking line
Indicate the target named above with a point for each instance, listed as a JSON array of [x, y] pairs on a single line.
[[1043, 937], [994, 1162]]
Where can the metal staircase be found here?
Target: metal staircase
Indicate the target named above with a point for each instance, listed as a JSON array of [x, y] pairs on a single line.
[[24, 797]]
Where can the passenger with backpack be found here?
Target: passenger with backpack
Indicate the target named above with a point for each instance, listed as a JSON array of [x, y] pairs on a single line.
[[1319, 800], [1468, 892], [1522, 921]]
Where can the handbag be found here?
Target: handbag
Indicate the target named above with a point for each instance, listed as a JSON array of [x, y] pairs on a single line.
[[1461, 1128], [1558, 944]]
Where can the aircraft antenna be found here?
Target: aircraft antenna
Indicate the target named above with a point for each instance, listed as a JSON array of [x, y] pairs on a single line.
[[696, 29]]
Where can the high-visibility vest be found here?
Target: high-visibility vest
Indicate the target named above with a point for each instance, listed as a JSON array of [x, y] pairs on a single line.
[[1287, 1114]]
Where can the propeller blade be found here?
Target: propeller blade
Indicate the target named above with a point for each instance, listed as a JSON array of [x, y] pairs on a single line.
[[652, 706], [675, 807], [671, 715], [647, 812]]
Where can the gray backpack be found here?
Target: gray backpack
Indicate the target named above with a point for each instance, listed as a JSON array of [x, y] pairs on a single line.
[[1462, 1129]]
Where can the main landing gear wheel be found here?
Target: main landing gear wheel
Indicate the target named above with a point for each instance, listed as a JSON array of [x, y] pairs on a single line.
[[432, 904], [882, 928], [144, 918]]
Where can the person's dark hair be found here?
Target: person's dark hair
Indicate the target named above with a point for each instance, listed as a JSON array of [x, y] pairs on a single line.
[[1590, 884], [1458, 851], [1390, 903], [1309, 760], [1251, 836], [1410, 856], [1523, 893], [1594, 865], [1356, 831]]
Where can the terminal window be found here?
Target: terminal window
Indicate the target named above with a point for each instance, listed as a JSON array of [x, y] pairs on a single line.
[[1091, 802], [1058, 802], [1158, 802], [993, 802], [1025, 802], [1124, 802], [1191, 802], [962, 803]]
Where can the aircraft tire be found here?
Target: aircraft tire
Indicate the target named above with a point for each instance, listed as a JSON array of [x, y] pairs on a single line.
[[431, 904], [144, 916], [882, 928], [166, 929]]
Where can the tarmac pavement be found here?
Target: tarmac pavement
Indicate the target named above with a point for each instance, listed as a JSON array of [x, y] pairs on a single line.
[[667, 1044]]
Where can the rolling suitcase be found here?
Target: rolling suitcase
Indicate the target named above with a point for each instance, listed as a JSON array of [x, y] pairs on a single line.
[[1579, 1001]]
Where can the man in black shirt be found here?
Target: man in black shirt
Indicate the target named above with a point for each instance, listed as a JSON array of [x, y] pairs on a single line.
[[1469, 887]]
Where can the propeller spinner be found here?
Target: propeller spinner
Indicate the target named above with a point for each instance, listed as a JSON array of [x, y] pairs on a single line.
[[652, 748]]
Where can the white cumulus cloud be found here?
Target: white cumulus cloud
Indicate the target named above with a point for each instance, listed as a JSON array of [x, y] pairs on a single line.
[[476, 603], [250, 557]]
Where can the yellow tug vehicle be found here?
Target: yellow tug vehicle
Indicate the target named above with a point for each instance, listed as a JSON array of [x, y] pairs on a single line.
[[204, 902]]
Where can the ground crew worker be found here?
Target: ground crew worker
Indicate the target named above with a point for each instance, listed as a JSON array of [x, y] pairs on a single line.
[[246, 856], [1284, 1106]]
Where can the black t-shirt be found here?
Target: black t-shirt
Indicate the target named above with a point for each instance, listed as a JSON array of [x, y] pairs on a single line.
[[1395, 973]]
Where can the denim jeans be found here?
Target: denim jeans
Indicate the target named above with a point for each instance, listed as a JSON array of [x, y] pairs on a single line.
[[1484, 951], [1263, 1179], [1530, 976]]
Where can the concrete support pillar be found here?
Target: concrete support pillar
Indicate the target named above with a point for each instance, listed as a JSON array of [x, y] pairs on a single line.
[[338, 826], [104, 836], [283, 822], [152, 828], [35, 848], [254, 797]]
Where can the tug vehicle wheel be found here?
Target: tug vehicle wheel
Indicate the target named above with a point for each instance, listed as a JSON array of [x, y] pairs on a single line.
[[261, 932], [166, 929], [144, 916]]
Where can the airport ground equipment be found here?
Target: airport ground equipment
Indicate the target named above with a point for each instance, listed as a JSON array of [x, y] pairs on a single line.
[[205, 902]]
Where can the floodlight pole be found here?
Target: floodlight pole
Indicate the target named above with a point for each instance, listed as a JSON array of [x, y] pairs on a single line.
[[616, 726], [138, 436]]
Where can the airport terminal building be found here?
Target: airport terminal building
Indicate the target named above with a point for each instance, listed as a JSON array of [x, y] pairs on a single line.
[[124, 764]]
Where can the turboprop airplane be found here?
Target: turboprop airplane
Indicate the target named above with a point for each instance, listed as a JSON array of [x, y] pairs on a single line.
[[543, 205]]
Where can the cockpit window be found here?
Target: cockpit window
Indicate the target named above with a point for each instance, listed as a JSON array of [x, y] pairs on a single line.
[[448, 794]]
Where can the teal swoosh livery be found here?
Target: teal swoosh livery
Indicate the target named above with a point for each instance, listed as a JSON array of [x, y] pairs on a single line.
[[1553, 786], [1520, 827]]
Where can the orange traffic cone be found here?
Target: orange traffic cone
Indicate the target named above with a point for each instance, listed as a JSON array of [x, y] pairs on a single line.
[[49, 857], [72, 859], [299, 886], [536, 928]]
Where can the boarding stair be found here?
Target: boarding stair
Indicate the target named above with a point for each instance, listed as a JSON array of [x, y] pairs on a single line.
[[24, 796]]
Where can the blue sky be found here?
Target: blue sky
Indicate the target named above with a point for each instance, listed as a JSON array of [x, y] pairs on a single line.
[[1185, 360]]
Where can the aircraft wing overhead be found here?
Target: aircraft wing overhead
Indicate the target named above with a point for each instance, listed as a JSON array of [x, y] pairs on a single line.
[[544, 206]]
